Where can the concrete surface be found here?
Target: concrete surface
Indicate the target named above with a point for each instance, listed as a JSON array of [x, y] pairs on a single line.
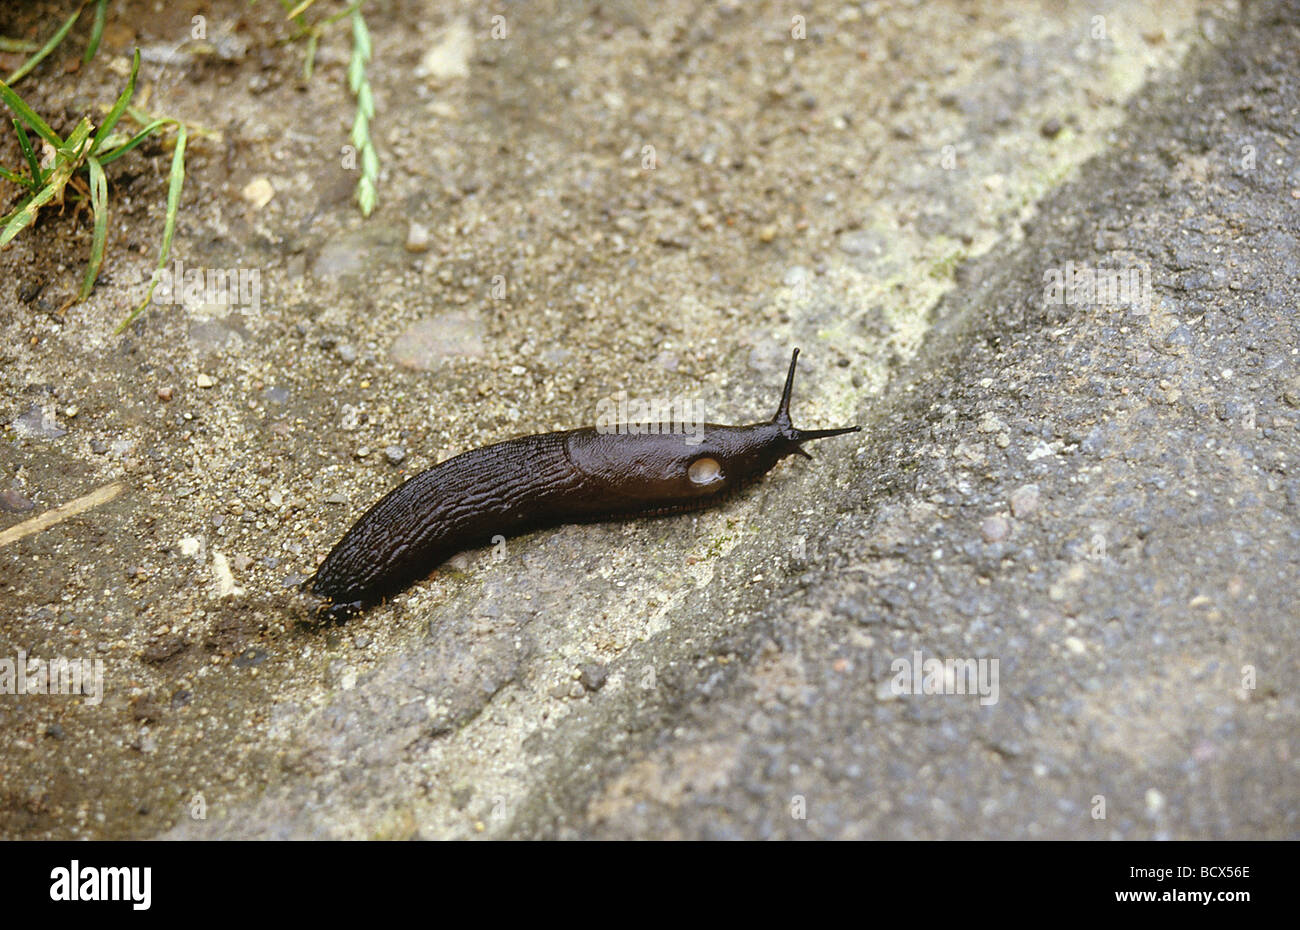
[[1098, 495]]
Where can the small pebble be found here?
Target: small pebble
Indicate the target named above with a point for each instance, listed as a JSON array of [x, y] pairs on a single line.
[[796, 276], [417, 238], [396, 455], [1051, 129], [15, 502], [258, 192], [1024, 501], [995, 529], [205, 381], [165, 393], [593, 676], [347, 353]]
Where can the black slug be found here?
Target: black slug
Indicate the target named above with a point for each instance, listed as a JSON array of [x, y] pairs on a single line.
[[544, 480]]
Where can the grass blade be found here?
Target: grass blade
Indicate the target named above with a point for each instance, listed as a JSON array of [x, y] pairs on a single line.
[[74, 147], [28, 115], [20, 180], [309, 60], [299, 9], [46, 49], [17, 45], [96, 32], [22, 205], [341, 14], [119, 108], [26, 145], [169, 227], [135, 140], [27, 215], [99, 205]]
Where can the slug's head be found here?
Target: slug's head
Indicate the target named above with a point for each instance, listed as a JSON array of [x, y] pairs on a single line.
[[670, 472], [731, 456]]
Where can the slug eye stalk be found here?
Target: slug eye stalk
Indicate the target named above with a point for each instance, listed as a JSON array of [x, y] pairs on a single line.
[[788, 430]]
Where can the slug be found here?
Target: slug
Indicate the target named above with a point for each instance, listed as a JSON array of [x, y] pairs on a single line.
[[532, 482]]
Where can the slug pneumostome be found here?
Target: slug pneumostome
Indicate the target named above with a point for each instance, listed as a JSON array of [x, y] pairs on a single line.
[[533, 482]]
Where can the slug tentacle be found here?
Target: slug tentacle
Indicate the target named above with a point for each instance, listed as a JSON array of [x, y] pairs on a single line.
[[782, 417], [544, 480]]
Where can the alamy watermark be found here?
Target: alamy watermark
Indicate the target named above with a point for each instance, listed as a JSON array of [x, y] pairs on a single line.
[[25, 675], [638, 416], [919, 675], [231, 287], [76, 882], [1079, 285]]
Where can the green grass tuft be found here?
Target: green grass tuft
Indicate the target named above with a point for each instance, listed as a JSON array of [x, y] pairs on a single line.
[[169, 226], [84, 153]]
